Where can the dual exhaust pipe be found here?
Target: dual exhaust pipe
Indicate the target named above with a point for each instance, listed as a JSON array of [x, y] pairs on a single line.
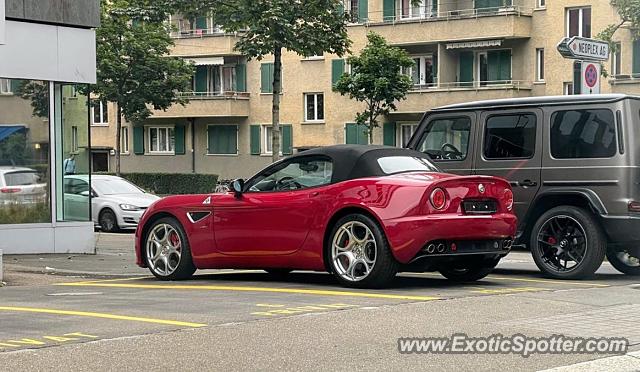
[[432, 248]]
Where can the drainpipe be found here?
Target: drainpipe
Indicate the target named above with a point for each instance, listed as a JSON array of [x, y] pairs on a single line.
[[193, 144]]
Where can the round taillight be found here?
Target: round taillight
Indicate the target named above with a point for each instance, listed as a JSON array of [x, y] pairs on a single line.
[[508, 199], [438, 199]]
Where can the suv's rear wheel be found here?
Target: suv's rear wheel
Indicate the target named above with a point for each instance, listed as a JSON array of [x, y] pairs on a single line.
[[567, 243], [461, 272], [624, 262]]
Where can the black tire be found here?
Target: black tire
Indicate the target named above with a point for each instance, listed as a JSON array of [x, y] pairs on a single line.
[[108, 221], [185, 268], [461, 272], [584, 234], [619, 263], [385, 265], [279, 273]]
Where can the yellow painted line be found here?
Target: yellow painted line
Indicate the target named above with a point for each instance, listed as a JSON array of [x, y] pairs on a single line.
[[548, 281], [101, 315], [317, 292]]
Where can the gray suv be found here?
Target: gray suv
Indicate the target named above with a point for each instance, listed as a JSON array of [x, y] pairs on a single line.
[[573, 163]]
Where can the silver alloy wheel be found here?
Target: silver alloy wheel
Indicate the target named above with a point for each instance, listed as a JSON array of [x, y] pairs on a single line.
[[353, 251], [627, 259], [164, 249]]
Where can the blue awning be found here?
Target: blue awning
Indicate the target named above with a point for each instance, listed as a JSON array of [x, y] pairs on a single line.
[[7, 130]]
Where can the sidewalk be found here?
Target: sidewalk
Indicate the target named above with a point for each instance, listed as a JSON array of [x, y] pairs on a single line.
[[114, 257]]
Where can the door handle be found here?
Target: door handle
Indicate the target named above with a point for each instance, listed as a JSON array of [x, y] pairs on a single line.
[[528, 183]]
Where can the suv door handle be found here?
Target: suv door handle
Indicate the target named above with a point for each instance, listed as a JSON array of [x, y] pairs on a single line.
[[527, 183]]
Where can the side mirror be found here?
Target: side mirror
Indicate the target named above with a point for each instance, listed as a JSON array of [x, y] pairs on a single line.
[[237, 186], [85, 193]]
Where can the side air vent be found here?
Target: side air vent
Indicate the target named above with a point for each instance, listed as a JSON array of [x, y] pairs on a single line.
[[197, 216]]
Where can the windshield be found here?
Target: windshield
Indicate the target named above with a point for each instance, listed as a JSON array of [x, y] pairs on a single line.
[[115, 186], [23, 178], [400, 164]]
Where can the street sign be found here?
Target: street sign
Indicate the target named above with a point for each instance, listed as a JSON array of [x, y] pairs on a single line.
[[590, 78], [584, 49]]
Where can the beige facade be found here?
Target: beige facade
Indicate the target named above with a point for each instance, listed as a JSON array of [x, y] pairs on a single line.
[[464, 52]]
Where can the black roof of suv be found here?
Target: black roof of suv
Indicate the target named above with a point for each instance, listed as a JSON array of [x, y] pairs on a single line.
[[537, 101]]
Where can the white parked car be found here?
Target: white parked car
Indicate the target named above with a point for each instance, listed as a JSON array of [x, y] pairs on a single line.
[[21, 186], [116, 203]]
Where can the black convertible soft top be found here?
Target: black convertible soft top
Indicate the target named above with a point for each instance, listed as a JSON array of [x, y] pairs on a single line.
[[358, 161]]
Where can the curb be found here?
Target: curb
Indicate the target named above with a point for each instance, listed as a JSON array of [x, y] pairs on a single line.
[[63, 272]]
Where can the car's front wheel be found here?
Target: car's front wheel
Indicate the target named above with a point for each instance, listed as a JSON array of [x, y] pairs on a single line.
[[567, 243], [465, 272], [359, 254], [108, 221], [167, 250], [624, 262]]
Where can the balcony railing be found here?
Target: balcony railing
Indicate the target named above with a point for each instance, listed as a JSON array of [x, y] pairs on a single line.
[[214, 95], [425, 14], [474, 85]]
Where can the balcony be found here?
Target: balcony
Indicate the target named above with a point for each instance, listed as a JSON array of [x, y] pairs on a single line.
[[428, 26], [424, 97], [225, 104]]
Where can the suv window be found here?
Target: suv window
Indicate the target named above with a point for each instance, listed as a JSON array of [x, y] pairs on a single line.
[[446, 139], [510, 136], [293, 175], [583, 134]]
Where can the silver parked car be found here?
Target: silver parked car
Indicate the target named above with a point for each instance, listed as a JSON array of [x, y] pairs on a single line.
[[21, 186], [116, 203]]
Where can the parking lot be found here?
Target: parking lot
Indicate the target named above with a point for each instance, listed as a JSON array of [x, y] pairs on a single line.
[[57, 314]]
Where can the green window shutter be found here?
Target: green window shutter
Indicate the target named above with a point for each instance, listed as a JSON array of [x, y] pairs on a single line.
[[287, 139], [434, 7], [138, 140], [337, 69], [363, 135], [223, 139], [201, 23], [254, 139], [363, 10], [505, 65], [351, 134], [466, 67], [201, 79], [389, 10], [636, 57], [266, 78], [241, 77], [389, 134], [16, 84], [493, 65], [178, 133]]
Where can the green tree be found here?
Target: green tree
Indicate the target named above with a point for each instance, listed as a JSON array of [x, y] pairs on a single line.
[[38, 93], [134, 69], [14, 148], [629, 12], [376, 79]]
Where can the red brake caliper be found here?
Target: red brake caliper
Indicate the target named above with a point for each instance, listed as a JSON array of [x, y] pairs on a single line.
[[552, 240], [175, 240]]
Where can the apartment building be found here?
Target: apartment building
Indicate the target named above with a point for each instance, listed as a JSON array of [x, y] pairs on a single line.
[[464, 50]]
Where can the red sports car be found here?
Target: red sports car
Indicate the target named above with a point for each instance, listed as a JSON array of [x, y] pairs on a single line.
[[363, 213]]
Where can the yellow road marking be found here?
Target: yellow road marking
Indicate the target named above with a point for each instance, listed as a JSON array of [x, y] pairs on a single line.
[[548, 281], [101, 315], [508, 290], [318, 292], [268, 305]]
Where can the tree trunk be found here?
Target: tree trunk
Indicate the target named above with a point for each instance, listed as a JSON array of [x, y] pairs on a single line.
[[371, 125], [275, 113], [118, 133]]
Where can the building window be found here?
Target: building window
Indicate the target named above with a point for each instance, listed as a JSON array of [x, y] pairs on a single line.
[[268, 139], [222, 140], [99, 113], [214, 80], [579, 22], [540, 64], [568, 89], [423, 9], [406, 131], [74, 139], [542, 3], [492, 67], [161, 140], [5, 86], [616, 59], [423, 73], [124, 140], [313, 107]]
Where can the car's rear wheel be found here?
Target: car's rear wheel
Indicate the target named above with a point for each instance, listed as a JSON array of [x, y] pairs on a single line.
[[359, 254], [465, 272], [624, 262], [167, 250], [567, 243], [108, 221]]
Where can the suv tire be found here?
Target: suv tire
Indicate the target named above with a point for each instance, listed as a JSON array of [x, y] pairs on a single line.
[[573, 233], [623, 262]]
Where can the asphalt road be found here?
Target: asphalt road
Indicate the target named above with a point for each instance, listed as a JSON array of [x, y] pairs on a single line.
[[247, 320]]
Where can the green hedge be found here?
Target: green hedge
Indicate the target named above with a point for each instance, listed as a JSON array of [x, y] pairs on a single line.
[[173, 183], [14, 213]]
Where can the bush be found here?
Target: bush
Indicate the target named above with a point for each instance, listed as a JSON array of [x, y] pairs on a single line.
[[24, 213], [173, 183]]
